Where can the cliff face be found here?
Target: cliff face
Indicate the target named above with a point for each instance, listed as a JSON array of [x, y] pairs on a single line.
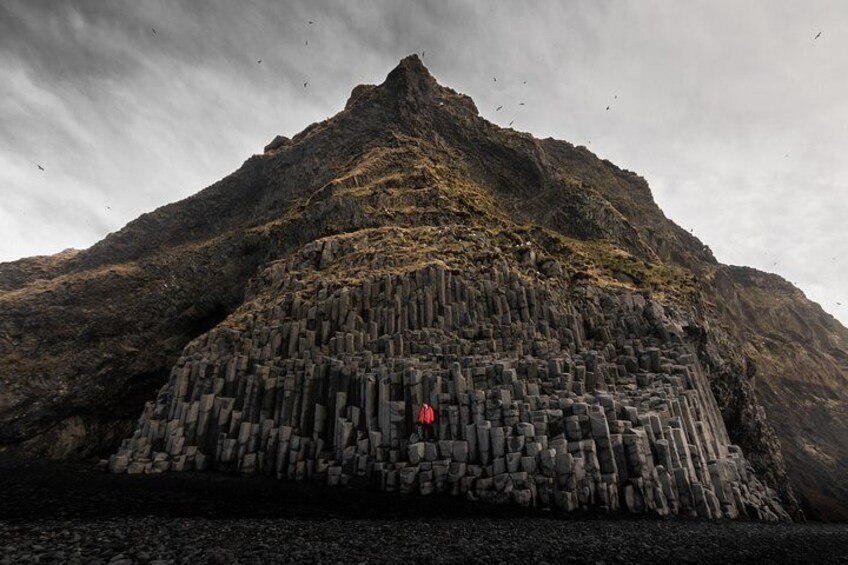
[[796, 359], [545, 394], [405, 182]]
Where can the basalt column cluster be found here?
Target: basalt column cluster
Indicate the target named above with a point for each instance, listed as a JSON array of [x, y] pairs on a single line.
[[541, 398]]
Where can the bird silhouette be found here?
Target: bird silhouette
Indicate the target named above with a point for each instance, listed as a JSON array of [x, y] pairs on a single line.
[[259, 62], [305, 84], [607, 107], [422, 53], [525, 82], [817, 35], [510, 122], [616, 96], [306, 42], [839, 304], [498, 108], [108, 207], [494, 79], [154, 30], [40, 168], [311, 22], [521, 103]]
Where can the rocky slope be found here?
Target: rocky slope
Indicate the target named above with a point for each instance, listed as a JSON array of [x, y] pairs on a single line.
[[406, 181]]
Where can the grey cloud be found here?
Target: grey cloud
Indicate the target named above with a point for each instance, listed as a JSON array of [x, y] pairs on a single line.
[[711, 96]]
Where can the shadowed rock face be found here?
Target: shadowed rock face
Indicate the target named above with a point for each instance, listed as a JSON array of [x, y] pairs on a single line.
[[87, 337]]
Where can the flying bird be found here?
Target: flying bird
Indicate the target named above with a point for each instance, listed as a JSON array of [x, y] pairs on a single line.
[[616, 96], [40, 168], [521, 103], [311, 22], [259, 62], [510, 122], [108, 207], [307, 42], [305, 84], [817, 35], [607, 107], [153, 29], [494, 79], [525, 82], [498, 108], [422, 53], [839, 304]]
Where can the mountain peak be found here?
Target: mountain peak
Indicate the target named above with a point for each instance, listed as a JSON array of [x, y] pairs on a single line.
[[411, 88], [412, 64], [412, 85]]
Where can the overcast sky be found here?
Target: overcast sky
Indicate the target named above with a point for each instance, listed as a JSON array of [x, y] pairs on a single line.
[[734, 112]]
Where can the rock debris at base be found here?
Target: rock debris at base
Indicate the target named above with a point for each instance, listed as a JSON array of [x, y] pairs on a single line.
[[53, 512], [59, 512], [156, 541]]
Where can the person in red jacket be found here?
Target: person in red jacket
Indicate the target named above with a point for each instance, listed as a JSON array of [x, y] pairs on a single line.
[[426, 417]]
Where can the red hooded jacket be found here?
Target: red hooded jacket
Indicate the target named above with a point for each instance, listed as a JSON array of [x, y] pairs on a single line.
[[426, 415]]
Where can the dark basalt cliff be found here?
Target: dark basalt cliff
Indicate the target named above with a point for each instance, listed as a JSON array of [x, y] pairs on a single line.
[[407, 250]]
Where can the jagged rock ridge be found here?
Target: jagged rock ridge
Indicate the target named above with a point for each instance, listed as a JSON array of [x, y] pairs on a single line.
[[411, 153]]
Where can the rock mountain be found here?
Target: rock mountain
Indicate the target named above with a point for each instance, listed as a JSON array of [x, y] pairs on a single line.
[[581, 350]]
